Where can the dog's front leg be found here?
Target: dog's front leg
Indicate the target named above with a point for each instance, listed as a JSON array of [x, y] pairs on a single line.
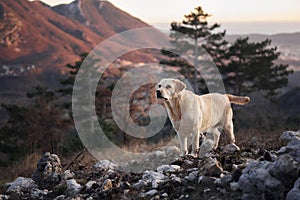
[[183, 145]]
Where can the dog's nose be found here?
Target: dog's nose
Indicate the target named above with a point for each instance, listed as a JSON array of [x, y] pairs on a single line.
[[158, 92]]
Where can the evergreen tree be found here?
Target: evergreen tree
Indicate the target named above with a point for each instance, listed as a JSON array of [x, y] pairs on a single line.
[[252, 67], [195, 32]]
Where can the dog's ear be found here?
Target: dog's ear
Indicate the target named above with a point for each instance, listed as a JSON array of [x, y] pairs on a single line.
[[179, 86]]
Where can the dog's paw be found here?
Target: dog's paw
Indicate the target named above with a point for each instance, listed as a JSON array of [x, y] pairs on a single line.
[[230, 148]]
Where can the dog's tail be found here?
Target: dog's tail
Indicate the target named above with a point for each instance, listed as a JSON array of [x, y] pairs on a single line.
[[238, 99]]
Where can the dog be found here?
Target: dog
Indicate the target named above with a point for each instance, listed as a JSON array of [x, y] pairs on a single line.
[[193, 114]]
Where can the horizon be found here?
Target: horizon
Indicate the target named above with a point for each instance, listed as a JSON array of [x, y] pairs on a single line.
[[259, 19]]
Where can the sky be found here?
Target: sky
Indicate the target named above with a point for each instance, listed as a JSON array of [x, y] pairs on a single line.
[[165, 11]]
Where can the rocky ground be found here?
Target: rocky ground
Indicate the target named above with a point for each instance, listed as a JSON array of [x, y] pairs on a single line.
[[251, 173]]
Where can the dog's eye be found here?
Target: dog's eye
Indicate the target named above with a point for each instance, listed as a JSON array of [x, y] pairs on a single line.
[[168, 86], [159, 86]]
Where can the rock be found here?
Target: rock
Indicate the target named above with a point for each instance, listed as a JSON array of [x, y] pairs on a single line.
[[164, 194], [38, 194], [231, 148], [206, 181], [155, 178], [48, 172], [256, 180], [290, 135], [105, 164], [67, 175], [107, 185], [234, 186], [4, 197], [20, 184], [89, 184], [294, 194], [192, 176], [168, 168], [285, 169], [210, 167], [139, 184], [206, 147], [60, 197], [151, 192], [73, 187]]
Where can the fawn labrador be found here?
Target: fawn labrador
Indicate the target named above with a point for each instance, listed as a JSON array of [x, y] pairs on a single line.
[[193, 114]]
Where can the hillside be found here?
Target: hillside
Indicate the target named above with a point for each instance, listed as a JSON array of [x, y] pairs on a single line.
[[288, 44], [35, 33], [252, 173]]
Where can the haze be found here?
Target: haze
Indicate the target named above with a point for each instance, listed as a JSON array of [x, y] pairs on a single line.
[[270, 15]]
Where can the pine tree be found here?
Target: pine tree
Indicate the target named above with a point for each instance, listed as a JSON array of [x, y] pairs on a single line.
[[187, 37], [252, 67]]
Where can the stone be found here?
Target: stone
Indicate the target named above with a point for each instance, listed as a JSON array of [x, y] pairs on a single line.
[[38, 194], [154, 178], [89, 184], [192, 176], [231, 148], [151, 192], [106, 185], [285, 169], [234, 186], [73, 187], [209, 167], [48, 172], [290, 135], [205, 147], [168, 168], [20, 184], [164, 194], [139, 184], [294, 193], [105, 164], [67, 175]]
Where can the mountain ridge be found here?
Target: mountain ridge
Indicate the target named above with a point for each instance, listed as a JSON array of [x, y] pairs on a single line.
[[34, 33]]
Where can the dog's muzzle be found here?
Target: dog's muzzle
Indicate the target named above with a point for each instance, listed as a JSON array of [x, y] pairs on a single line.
[[158, 94]]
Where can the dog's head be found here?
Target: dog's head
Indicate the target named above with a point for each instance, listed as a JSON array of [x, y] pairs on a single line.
[[168, 88]]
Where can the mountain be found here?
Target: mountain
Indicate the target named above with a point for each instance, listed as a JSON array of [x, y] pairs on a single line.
[[35, 33]]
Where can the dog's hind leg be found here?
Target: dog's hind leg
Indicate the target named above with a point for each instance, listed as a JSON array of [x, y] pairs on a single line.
[[228, 126], [195, 143]]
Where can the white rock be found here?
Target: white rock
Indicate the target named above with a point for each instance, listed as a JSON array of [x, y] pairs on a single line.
[[60, 197], [73, 187], [165, 194], [105, 164], [90, 184], [37, 193], [68, 175], [4, 197], [168, 168], [19, 184], [151, 192], [290, 135], [234, 186], [149, 176]]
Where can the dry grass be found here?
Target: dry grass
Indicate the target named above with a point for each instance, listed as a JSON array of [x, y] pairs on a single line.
[[24, 167]]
